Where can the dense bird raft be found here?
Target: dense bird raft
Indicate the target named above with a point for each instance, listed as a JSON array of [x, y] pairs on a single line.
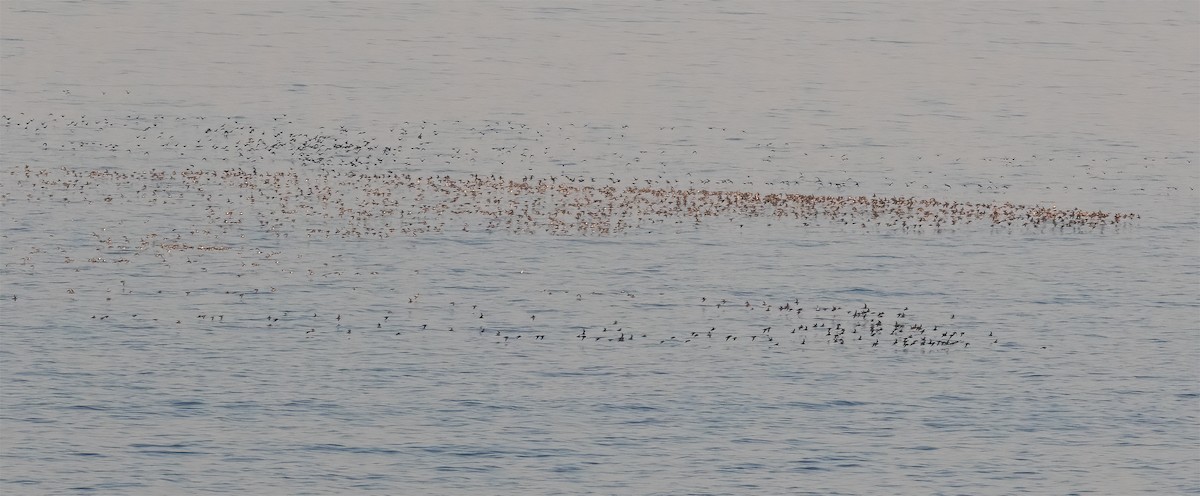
[[428, 177], [382, 204]]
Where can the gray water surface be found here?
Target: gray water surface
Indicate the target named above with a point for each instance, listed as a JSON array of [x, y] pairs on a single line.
[[163, 334]]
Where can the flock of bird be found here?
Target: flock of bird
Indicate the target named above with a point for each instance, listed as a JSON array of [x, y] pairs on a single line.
[[223, 185], [343, 183], [762, 323], [381, 205]]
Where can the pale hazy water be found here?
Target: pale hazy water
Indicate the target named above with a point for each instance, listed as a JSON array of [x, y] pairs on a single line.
[[1092, 387]]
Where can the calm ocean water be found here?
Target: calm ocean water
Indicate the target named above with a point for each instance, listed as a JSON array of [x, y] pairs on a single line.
[[205, 288]]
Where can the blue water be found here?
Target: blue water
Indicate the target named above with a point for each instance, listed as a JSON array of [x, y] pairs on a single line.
[[168, 335]]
